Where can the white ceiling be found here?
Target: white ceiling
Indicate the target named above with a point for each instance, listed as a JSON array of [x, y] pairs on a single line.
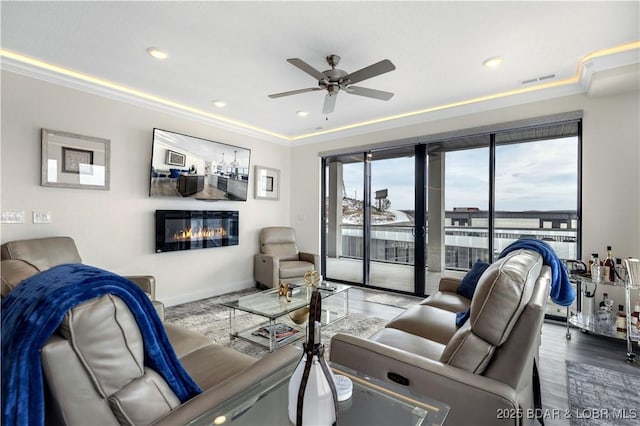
[[237, 51]]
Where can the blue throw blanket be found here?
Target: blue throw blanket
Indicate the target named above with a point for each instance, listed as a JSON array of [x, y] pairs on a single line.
[[34, 310], [562, 292]]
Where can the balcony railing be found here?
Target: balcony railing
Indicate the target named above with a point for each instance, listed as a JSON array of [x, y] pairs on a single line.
[[463, 245]]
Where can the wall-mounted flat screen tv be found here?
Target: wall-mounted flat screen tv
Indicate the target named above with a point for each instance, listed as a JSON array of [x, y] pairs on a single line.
[[191, 167]]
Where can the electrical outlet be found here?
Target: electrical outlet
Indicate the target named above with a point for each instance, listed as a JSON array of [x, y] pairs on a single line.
[[41, 217], [12, 216]]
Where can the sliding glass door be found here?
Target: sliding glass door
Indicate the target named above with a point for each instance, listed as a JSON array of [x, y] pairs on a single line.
[[344, 218], [369, 235], [392, 224]]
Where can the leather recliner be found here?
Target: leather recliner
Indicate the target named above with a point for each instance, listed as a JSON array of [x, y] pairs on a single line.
[[484, 370], [280, 259], [93, 365]]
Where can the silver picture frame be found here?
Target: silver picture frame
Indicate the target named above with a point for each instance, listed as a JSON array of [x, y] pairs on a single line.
[[70, 160], [266, 183]]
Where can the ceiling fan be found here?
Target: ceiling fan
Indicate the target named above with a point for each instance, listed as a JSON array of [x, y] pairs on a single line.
[[334, 80]]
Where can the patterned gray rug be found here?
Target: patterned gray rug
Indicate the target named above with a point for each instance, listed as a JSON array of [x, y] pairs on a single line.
[[602, 397], [208, 317]]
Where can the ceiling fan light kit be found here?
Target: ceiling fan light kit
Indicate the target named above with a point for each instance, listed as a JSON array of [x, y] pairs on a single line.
[[334, 80]]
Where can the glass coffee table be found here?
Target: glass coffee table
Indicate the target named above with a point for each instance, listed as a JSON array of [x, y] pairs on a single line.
[[273, 333], [372, 403]]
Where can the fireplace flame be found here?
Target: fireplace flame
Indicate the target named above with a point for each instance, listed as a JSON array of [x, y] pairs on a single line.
[[201, 233]]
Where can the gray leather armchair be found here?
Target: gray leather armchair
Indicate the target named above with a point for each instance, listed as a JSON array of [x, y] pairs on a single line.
[[40, 254], [481, 369], [280, 259], [93, 365]]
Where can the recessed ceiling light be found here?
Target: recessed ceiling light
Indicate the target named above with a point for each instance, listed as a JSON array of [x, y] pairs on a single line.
[[157, 53], [220, 104], [492, 62], [302, 113]]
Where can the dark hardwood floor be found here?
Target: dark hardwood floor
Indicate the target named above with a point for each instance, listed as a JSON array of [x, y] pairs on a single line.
[[586, 348], [555, 350]]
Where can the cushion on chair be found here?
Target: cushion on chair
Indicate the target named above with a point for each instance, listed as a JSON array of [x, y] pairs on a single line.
[[294, 268], [104, 335], [412, 320], [451, 302], [279, 241], [143, 400], [409, 342], [43, 253], [468, 284]]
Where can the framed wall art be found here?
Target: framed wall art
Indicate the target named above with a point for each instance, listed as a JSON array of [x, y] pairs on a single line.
[[267, 183], [70, 160], [175, 158]]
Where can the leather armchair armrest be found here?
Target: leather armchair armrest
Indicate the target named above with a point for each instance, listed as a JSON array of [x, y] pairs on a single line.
[[212, 397], [146, 283], [266, 269], [311, 258], [449, 284], [470, 396], [159, 308]]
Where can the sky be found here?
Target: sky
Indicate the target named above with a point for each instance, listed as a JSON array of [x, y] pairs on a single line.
[[529, 176]]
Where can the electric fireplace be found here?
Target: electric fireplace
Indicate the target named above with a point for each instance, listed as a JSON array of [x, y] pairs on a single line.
[[195, 229]]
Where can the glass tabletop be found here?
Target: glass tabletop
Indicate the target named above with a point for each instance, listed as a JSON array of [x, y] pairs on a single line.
[[270, 304], [372, 403]]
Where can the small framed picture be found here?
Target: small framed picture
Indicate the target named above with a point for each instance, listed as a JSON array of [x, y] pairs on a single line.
[[74, 160], [267, 183], [175, 158]]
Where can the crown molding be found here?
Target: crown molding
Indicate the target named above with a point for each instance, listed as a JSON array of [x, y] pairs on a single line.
[[156, 104]]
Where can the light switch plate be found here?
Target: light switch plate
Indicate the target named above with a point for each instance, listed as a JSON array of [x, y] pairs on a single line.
[[12, 216], [40, 217]]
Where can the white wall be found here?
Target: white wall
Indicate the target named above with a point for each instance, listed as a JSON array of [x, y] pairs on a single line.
[[611, 167], [114, 229]]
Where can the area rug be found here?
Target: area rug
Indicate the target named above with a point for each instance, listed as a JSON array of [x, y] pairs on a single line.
[[602, 397], [208, 317]]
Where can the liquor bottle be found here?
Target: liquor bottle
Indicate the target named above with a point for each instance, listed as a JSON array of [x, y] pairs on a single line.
[[596, 269], [635, 317], [604, 311], [604, 302], [609, 272], [621, 319], [620, 272]]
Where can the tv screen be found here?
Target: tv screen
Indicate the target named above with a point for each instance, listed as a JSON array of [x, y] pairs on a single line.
[[191, 167]]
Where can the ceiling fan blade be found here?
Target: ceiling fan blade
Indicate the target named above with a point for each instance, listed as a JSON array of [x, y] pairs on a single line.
[[370, 93], [329, 103], [307, 68], [294, 92], [371, 71]]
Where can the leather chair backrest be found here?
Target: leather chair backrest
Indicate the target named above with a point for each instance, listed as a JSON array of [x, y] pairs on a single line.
[[512, 362], [94, 369], [42, 253], [501, 296], [279, 241]]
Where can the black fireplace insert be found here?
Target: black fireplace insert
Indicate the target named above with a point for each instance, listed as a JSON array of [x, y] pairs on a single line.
[[195, 229]]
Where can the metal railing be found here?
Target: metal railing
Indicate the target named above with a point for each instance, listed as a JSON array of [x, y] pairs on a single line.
[[463, 245]]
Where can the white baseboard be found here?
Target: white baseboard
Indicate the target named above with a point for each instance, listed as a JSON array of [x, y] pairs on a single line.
[[203, 294]]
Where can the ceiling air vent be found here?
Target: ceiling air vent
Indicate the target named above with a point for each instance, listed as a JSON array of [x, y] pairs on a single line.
[[537, 79]]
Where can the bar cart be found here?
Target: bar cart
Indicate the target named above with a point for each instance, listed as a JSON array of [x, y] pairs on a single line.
[[589, 319]]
